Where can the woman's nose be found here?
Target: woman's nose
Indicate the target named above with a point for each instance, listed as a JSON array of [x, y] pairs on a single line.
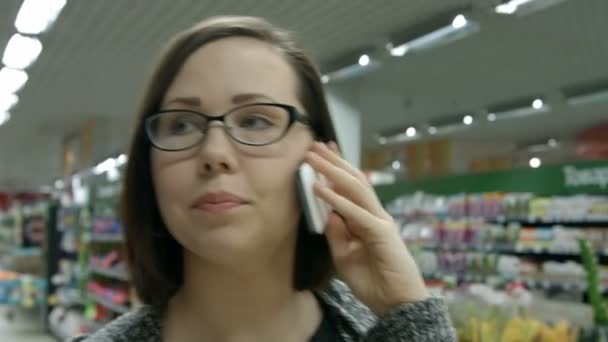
[[216, 152]]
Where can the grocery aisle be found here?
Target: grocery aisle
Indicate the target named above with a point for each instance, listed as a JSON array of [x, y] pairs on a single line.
[[24, 327]]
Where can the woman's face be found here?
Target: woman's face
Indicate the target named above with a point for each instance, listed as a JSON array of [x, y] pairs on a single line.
[[223, 200]]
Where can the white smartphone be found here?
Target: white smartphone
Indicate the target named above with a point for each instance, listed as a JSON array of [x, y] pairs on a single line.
[[316, 211]]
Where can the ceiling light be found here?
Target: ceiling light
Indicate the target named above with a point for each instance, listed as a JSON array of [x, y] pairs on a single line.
[[4, 117], [410, 132], [382, 140], [396, 165], [491, 117], [36, 16], [459, 28], [535, 163], [459, 21], [519, 109], [7, 101], [11, 80], [121, 160], [325, 79], [537, 104], [467, 120], [524, 7], [21, 51], [105, 166], [364, 60], [432, 130]]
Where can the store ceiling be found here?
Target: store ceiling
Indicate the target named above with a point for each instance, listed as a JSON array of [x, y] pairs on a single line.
[[96, 56]]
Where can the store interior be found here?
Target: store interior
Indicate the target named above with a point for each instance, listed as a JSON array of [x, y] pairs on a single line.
[[482, 125]]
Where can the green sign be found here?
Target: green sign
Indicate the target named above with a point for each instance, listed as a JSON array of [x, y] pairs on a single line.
[[568, 179]]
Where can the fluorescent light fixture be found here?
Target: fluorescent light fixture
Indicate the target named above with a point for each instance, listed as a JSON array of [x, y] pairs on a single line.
[[467, 120], [399, 51], [459, 28], [364, 60], [588, 98], [535, 163], [7, 101], [36, 16], [410, 132], [537, 107], [524, 7], [364, 63], [325, 79], [4, 117], [491, 117], [21, 51], [12, 80]]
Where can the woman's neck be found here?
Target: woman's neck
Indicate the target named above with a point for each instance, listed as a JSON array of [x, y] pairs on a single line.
[[242, 303]]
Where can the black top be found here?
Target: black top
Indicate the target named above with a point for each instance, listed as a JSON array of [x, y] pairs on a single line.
[[327, 331]]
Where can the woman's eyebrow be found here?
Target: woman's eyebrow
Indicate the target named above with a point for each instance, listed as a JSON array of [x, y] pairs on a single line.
[[249, 97], [192, 101]]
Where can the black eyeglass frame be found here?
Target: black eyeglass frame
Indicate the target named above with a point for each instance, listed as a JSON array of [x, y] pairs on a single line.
[[294, 116]]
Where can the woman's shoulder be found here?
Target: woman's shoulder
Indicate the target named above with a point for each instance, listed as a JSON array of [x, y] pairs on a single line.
[[347, 307], [427, 320], [139, 325]]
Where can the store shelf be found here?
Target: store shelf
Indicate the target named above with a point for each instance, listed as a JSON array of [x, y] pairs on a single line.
[[536, 252], [545, 282], [108, 304], [102, 237], [109, 273], [547, 223]]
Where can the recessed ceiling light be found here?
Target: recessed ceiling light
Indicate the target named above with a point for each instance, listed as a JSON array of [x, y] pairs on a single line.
[[459, 21], [467, 120], [491, 117], [537, 104], [410, 132], [325, 79], [396, 165], [535, 163], [364, 60], [432, 130]]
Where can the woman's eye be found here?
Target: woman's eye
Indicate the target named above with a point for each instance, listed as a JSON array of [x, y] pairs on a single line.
[[253, 121], [180, 126]]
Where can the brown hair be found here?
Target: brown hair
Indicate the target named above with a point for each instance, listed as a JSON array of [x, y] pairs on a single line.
[[154, 256]]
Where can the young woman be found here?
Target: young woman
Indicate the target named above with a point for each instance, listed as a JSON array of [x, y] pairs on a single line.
[[217, 247]]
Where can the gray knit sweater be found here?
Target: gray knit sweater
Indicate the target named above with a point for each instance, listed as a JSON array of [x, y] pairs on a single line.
[[422, 321]]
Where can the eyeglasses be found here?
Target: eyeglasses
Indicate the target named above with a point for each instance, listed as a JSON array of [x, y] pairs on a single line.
[[253, 124]]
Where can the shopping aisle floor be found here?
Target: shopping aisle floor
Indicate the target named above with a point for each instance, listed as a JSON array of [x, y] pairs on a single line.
[[25, 327]]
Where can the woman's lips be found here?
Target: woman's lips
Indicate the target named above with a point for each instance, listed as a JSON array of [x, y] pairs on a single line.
[[218, 202]]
